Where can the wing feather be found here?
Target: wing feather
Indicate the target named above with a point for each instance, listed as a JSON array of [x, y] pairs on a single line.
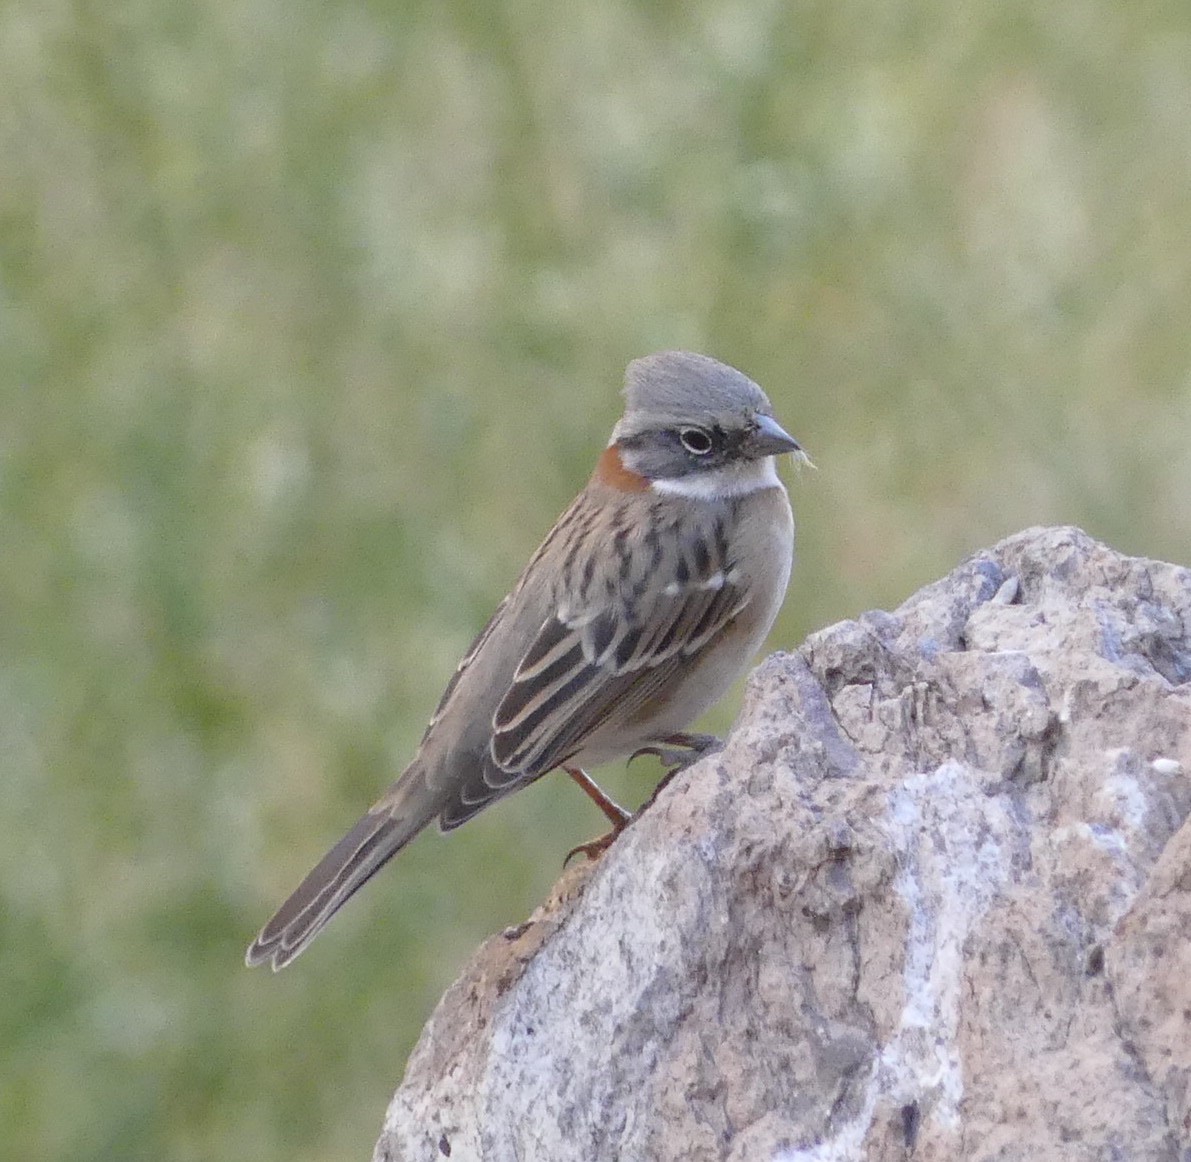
[[614, 651]]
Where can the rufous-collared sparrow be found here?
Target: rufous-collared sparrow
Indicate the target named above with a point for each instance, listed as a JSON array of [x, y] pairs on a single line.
[[642, 605]]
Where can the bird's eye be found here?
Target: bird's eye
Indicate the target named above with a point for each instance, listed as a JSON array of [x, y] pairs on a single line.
[[695, 440]]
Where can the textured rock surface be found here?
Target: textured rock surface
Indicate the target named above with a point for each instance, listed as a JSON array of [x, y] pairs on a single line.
[[932, 902]]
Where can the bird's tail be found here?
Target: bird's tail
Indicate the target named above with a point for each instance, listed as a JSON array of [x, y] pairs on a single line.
[[342, 872]]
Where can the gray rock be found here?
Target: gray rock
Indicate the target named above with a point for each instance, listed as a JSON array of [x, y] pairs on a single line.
[[932, 902]]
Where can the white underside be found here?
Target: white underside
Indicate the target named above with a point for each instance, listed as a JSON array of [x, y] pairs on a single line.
[[731, 480]]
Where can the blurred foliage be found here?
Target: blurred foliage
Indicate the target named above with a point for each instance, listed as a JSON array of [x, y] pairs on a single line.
[[311, 319]]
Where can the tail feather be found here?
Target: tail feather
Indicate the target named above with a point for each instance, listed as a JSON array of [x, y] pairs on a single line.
[[342, 872]]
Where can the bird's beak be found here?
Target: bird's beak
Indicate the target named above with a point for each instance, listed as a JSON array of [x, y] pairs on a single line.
[[771, 439]]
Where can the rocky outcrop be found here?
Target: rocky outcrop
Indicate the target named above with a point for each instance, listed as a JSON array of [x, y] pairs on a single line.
[[931, 902]]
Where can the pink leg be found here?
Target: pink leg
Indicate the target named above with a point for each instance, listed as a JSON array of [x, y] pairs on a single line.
[[616, 815]]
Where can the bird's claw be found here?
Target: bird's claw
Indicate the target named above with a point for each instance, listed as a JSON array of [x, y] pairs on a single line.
[[594, 848], [678, 751]]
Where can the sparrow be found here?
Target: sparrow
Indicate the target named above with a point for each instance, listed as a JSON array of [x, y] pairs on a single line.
[[647, 598]]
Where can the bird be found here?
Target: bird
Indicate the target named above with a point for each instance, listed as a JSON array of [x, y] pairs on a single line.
[[649, 596]]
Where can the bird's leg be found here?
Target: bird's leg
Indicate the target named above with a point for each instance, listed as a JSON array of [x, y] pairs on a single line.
[[676, 751], [616, 815]]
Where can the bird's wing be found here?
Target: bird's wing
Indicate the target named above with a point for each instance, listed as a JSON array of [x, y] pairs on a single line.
[[628, 618]]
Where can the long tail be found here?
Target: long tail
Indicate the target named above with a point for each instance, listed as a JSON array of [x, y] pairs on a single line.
[[342, 872]]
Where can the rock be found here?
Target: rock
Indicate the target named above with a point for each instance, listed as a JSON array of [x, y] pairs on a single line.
[[931, 902]]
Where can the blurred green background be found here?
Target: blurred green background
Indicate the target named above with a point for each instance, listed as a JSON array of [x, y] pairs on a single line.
[[313, 316]]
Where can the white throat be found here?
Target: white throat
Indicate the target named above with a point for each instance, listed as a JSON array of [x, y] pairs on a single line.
[[730, 480]]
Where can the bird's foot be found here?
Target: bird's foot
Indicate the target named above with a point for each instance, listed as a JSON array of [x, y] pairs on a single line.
[[594, 848], [677, 751]]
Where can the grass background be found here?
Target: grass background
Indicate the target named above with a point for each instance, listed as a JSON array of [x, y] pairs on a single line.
[[312, 318]]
